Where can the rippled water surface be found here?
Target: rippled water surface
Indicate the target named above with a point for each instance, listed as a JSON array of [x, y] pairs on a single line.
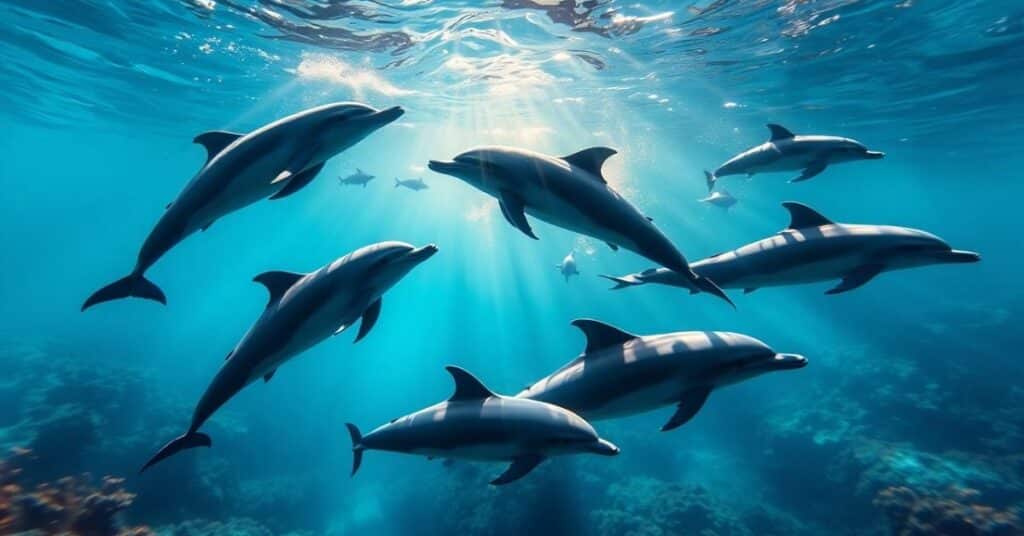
[[907, 418]]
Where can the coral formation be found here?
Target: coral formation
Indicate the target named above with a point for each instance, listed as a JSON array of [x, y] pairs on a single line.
[[954, 513], [71, 505]]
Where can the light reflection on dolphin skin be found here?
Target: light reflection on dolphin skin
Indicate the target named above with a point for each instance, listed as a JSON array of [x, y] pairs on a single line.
[[273, 161], [569, 192], [621, 374], [814, 249], [303, 310], [476, 424], [786, 151]]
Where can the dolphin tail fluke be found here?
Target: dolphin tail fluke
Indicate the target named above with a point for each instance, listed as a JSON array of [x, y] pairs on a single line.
[[397, 182], [621, 282], [357, 446], [710, 178], [133, 285], [185, 441], [706, 285]]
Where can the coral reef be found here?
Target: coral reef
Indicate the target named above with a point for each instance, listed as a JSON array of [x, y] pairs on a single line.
[[954, 513], [71, 505]]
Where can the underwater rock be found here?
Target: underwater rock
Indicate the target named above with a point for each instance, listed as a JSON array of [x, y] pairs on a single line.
[[954, 513], [70, 505]]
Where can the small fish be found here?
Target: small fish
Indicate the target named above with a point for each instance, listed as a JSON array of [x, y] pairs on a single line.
[[412, 184], [358, 178]]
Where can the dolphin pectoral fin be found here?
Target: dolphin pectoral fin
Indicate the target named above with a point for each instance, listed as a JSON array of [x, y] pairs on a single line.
[[267, 376], [215, 141], [369, 319], [691, 403], [299, 162], [520, 467], [810, 171], [297, 182], [857, 278], [613, 246], [749, 290], [514, 211]]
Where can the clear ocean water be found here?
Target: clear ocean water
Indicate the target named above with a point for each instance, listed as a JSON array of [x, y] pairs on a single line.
[[909, 418]]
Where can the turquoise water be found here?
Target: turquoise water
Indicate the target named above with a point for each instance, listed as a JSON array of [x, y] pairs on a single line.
[[913, 381]]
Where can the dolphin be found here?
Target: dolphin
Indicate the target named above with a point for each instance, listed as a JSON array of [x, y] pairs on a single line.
[[814, 248], [273, 161], [412, 184], [785, 151], [568, 266], [721, 199], [620, 374], [569, 192], [476, 424], [359, 178], [303, 310]]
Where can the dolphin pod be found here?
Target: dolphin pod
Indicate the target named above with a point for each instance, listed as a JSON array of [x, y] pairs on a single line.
[[303, 310], [273, 161], [569, 192], [476, 424], [620, 374], [811, 249], [786, 151]]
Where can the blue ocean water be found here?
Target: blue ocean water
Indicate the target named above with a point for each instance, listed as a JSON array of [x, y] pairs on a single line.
[[907, 420]]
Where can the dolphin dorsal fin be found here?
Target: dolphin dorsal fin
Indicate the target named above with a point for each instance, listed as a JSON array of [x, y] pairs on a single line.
[[802, 216], [277, 283], [600, 335], [215, 141], [467, 387], [779, 132], [591, 160]]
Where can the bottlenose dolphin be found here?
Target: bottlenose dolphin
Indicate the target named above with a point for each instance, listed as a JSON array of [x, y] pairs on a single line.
[[272, 161], [303, 310], [476, 424], [359, 178], [568, 266], [812, 249], [571, 193], [621, 374], [412, 184], [786, 151], [721, 199]]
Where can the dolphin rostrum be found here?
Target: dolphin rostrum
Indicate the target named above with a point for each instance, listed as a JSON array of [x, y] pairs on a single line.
[[412, 184], [303, 310], [359, 178], [812, 249], [568, 266], [569, 192], [786, 151], [620, 374], [272, 161], [476, 424]]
